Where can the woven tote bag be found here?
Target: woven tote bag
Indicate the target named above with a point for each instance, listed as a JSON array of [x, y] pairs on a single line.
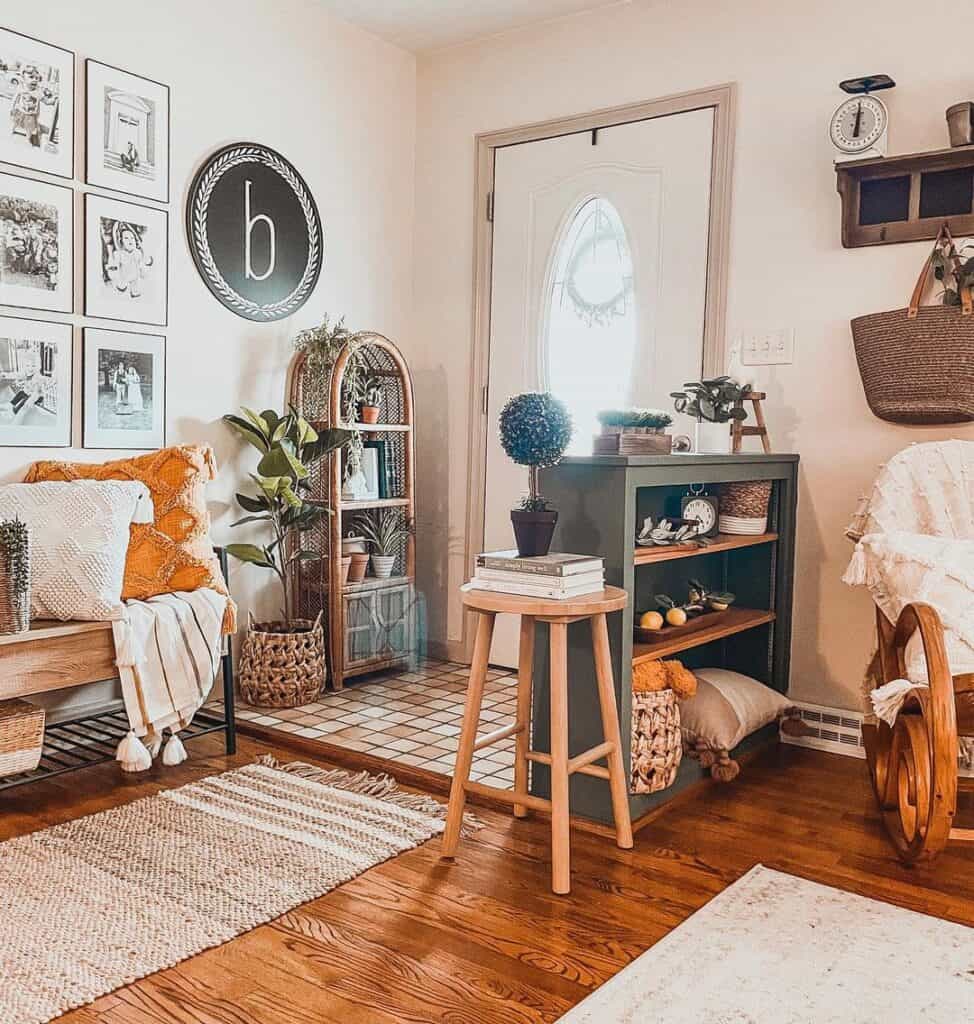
[[917, 364]]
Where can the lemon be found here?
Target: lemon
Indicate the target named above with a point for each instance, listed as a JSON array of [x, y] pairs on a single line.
[[718, 606], [676, 617], [651, 620]]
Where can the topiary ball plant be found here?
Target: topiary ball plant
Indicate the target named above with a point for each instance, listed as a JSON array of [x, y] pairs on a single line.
[[535, 428]]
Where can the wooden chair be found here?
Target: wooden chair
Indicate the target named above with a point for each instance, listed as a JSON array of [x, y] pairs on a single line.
[[559, 615], [913, 764]]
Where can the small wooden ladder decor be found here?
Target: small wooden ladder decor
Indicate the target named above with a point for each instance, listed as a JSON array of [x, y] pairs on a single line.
[[739, 431]]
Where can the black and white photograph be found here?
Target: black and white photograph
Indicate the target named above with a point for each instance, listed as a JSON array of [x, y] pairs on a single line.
[[36, 238], [35, 383], [128, 132], [124, 389], [36, 104], [126, 261]]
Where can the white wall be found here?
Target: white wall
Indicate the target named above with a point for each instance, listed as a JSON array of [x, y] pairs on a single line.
[[787, 267], [338, 103]]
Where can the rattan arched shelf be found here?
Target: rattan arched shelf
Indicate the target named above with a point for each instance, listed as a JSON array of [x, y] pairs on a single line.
[[371, 625]]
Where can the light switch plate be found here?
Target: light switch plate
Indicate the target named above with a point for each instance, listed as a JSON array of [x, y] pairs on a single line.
[[768, 348]]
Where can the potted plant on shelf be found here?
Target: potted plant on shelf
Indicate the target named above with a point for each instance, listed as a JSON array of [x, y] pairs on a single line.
[[713, 403], [282, 661], [383, 530], [371, 399], [535, 428], [633, 431]]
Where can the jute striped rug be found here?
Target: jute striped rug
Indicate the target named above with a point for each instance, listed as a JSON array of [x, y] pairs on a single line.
[[94, 904]]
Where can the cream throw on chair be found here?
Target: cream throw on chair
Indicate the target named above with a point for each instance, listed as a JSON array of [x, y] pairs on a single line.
[[915, 542], [167, 651]]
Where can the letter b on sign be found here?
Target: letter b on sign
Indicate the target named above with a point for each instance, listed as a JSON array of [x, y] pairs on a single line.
[[250, 221]]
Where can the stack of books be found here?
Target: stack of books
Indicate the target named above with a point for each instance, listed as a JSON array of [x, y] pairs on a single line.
[[553, 577]]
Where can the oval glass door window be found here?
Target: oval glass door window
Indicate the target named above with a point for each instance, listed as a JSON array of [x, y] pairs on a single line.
[[589, 335]]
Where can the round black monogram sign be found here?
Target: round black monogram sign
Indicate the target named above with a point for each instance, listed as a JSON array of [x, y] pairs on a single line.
[[254, 232]]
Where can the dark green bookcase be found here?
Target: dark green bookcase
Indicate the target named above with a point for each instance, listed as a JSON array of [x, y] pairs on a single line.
[[601, 503]]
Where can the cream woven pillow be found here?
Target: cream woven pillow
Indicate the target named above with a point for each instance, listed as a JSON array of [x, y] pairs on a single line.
[[79, 536]]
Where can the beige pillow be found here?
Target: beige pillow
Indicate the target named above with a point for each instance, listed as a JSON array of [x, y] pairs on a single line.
[[727, 707], [79, 536]]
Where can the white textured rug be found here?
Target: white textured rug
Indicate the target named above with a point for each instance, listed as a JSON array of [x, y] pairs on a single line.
[[775, 949], [93, 904]]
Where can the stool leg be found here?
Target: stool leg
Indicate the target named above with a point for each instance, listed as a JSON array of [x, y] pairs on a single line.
[[522, 741], [468, 733], [560, 834], [610, 729]]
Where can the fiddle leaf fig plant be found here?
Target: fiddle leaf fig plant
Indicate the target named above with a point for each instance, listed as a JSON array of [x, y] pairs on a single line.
[[289, 446]]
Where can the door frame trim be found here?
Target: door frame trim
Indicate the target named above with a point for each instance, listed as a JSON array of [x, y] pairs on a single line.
[[722, 99]]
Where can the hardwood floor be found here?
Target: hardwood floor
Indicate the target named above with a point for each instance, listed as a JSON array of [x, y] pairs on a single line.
[[483, 940]]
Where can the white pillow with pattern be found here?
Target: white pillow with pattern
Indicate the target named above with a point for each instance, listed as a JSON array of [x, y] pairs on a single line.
[[79, 536]]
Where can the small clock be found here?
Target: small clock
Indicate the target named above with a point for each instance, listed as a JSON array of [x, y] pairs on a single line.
[[859, 127], [700, 505]]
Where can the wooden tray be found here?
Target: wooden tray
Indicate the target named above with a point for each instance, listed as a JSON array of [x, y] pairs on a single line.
[[652, 636]]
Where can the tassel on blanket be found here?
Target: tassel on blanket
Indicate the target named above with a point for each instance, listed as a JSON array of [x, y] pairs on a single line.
[[133, 755], [855, 574], [175, 752], [888, 699], [128, 650], [154, 745]]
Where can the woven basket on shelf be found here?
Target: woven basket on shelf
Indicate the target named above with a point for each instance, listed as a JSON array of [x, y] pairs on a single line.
[[744, 500], [657, 746], [281, 669], [21, 736], [14, 576]]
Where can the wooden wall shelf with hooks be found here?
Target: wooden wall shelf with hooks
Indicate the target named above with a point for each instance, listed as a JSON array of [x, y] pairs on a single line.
[[906, 198]]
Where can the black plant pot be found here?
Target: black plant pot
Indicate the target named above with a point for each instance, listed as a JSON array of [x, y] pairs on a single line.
[[533, 531]]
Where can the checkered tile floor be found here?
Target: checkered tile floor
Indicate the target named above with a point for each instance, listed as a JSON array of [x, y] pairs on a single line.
[[409, 717]]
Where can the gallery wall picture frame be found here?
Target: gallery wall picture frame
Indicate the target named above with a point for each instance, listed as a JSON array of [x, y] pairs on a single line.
[[37, 87], [123, 391], [36, 383], [126, 261], [127, 132], [381, 471], [37, 250]]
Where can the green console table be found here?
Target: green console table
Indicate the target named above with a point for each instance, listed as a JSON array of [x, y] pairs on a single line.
[[602, 502]]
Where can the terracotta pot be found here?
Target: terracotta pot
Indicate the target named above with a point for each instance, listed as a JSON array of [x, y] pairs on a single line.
[[382, 566], [358, 564], [346, 565], [370, 414], [533, 531]]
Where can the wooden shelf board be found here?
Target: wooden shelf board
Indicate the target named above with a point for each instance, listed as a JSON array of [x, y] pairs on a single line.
[[369, 428], [353, 506], [50, 629], [736, 620], [375, 583], [722, 542]]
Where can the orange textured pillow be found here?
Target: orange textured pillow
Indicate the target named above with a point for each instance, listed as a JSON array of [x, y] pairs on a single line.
[[175, 551]]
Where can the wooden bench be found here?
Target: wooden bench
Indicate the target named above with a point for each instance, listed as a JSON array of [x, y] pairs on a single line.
[[57, 655]]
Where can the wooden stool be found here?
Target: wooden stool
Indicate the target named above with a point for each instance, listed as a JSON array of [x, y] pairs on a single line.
[[558, 614]]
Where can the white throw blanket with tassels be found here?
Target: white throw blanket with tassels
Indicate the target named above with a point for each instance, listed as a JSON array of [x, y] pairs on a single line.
[[167, 650]]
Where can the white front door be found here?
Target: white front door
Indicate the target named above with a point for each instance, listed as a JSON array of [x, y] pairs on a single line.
[[599, 274]]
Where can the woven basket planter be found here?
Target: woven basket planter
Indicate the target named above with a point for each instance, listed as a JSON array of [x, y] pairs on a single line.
[[657, 746], [745, 499], [281, 669], [14, 577], [21, 736]]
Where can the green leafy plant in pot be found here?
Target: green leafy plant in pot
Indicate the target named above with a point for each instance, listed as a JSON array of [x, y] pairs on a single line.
[[714, 400], [289, 446], [383, 531], [535, 428]]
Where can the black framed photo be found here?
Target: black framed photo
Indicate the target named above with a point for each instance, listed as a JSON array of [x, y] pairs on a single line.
[[378, 468], [124, 389], [36, 104], [126, 261], [36, 244], [127, 132], [36, 360]]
